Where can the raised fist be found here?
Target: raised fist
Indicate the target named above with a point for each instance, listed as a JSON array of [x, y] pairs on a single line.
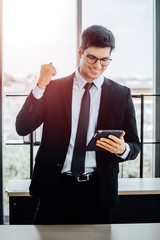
[[46, 73]]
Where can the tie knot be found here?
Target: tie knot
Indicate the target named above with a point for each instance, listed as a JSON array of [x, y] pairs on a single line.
[[88, 86]]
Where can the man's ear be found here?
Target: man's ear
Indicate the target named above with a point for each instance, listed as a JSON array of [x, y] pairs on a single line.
[[80, 52]]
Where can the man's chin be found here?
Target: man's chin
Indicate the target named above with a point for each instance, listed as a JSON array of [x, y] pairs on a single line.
[[94, 76]]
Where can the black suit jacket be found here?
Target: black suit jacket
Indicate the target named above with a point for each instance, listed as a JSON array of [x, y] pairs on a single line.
[[54, 111]]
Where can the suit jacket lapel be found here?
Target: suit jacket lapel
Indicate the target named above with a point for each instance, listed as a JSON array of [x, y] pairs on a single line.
[[105, 103], [67, 96]]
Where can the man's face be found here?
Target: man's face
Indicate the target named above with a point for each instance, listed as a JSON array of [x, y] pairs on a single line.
[[92, 71]]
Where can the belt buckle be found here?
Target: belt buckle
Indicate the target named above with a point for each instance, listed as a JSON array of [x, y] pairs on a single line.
[[83, 180]]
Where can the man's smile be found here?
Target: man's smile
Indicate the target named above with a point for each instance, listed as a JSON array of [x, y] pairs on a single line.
[[94, 71]]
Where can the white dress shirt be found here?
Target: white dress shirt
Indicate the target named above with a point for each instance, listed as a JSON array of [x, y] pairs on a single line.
[[77, 93]]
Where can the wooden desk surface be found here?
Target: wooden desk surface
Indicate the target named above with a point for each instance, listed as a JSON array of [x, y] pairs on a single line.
[[79, 232], [127, 186], [137, 186]]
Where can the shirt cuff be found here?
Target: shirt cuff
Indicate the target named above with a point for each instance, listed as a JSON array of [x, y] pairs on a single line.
[[125, 154], [37, 92]]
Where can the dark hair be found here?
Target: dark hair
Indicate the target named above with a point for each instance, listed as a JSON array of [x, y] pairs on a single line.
[[97, 36]]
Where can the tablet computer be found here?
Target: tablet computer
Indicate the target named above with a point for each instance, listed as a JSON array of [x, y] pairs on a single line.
[[99, 134]]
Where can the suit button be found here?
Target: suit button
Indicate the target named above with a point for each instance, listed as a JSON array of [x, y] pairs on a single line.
[[59, 164]]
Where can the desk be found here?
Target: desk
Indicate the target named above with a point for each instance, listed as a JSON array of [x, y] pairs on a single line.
[[127, 186], [78, 232], [139, 201]]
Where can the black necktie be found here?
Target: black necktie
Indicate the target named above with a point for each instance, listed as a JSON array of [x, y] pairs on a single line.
[[79, 152]]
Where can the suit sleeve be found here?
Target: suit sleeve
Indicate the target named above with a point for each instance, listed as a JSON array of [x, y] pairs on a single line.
[[30, 116], [130, 127]]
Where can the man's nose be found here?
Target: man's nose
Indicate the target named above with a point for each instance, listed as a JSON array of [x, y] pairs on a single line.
[[98, 64]]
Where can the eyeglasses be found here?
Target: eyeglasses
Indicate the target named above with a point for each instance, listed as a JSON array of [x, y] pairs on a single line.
[[93, 59]]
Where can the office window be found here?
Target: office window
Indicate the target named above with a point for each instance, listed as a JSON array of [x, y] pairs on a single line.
[[35, 32], [132, 61]]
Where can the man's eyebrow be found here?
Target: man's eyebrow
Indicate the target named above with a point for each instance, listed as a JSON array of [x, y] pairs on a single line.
[[105, 58], [96, 57], [91, 55]]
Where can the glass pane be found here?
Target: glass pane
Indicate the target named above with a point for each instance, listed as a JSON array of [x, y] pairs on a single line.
[[34, 33], [148, 118], [132, 61], [16, 165], [130, 169], [11, 106], [147, 159], [131, 23]]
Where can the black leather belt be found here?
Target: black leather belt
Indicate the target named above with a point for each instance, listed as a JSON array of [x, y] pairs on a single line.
[[83, 178]]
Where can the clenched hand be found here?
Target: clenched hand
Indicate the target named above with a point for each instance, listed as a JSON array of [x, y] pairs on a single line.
[[47, 71]]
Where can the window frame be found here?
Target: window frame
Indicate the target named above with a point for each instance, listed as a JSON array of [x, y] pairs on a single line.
[[156, 11], [1, 166]]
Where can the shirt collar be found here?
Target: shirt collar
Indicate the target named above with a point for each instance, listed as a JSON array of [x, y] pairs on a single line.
[[82, 82]]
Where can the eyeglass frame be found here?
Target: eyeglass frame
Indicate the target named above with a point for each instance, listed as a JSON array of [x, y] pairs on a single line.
[[96, 59]]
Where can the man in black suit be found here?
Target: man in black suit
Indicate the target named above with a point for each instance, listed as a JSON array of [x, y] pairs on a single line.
[[74, 185]]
